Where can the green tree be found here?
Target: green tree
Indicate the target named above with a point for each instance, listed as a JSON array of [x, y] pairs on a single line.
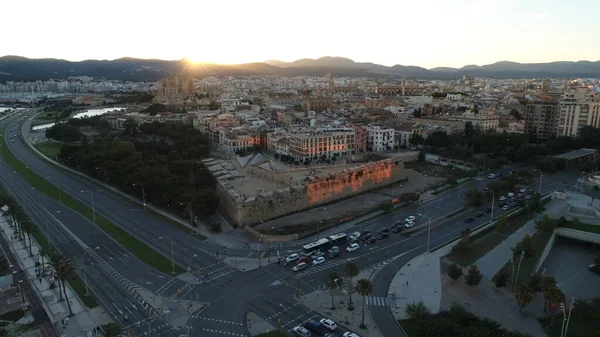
[[535, 205], [416, 310], [29, 228], [526, 245], [130, 126], [455, 272], [364, 288], [500, 280], [332, 283], [553, 297], [473, 276], [501, 223], [547, 282], [523, 295], [474, 197], [416, 139], [545, 224], [351, 270], [62, 270]]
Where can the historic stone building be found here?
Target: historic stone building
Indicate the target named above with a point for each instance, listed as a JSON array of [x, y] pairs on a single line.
[[402, 89], [174, 90]]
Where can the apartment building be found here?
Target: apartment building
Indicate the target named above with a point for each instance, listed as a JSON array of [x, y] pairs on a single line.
[[578, 107], [380, 138], [541, 118], [315, 143], [360, 138], [209, 123], [485, 120], [231, 141]]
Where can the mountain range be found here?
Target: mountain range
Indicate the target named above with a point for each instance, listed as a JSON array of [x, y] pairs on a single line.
[[16, 68]]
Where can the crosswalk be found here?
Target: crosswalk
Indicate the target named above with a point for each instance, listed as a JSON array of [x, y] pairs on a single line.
[[377, 301], [315, 269]]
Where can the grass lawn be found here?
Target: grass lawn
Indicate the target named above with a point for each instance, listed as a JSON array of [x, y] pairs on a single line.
[[540, 240], [136, 247], [274, 333], [582, 227], [50, 115], [101, 186], [50, 149], [489, 241]]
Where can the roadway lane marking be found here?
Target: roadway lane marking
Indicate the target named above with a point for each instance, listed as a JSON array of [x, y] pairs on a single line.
[[218, 320], [252, 252], [224, 332]]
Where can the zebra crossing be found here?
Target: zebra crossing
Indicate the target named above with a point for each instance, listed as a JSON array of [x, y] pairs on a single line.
[[315, 269], [377, 301]]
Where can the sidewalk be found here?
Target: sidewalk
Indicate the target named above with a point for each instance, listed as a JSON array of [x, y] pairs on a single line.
[[83, 321], [418, 280], [494, 260]]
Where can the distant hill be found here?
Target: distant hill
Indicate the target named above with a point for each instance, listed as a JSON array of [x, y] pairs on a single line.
[[18, 68]]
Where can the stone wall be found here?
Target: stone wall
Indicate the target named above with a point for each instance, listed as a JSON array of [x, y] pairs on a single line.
[[314, 191]]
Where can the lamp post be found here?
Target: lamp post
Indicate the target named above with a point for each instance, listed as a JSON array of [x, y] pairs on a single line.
[[566, 317], [105, 179], [191, 212], [57, 188], [541, 177], [87, 289], [519, 268], [188, 264], [493, 200], [143, 195], [428, 228], [172, 259], [93, 207]]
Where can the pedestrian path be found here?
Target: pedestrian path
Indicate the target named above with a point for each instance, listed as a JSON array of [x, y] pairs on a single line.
[[376, 301], [315, 269], [495, 259]]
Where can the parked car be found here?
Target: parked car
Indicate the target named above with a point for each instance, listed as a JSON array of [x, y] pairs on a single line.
[[315, 327], [301, 331], [505, 208], [502, 198], [528, 197], [352, 247], [318, 261], [501, 204], [488, 210], [350, 334], [491, 176], [479, 214], [522, 190], [300, 266], [469, 219], [329, 324]]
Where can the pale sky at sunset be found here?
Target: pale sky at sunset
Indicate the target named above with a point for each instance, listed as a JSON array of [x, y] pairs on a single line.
[[429, 33]]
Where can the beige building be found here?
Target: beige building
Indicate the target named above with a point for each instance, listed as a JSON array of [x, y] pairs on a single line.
[[578, 107], [208, 123], [402, 89], [328, 142], [541, 118], [231, 141], [485, 120]]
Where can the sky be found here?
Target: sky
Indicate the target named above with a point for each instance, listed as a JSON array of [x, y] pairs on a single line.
[[432, 33]]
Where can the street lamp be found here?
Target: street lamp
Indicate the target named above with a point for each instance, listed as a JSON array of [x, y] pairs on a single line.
[[58, 188], [172, 259], [493, 199], [188, 264], [143, 195], [93, 207], [428, 228], [191, 212], [541, 177], [105, 179], [87, 289]]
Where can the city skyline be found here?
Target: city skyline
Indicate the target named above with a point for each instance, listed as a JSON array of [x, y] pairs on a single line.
[[442, 34]]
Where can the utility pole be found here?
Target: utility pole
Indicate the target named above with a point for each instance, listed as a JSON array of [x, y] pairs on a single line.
[[519, 268]]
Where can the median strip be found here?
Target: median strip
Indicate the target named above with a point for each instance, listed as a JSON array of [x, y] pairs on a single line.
[[131, 243]]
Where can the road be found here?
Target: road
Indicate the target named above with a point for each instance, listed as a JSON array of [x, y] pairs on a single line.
[[114, 274]]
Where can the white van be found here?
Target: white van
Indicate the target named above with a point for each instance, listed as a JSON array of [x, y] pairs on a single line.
[[300, 266]]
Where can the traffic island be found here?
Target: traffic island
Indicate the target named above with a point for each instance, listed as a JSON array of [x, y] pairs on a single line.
[[247, 264], [175, 312], [258, 326]]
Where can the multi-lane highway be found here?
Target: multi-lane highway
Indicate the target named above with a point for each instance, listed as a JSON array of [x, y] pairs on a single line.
[[114, 274]]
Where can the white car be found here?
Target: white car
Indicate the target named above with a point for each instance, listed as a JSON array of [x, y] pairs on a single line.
[[409, 224], [522, 190], [502, 198], [410, 218], [352, 247], [505, 208], [318, 261], [350, 334], [354, 236], [329, 324], [492, 176], [292, 258], [301, 331]]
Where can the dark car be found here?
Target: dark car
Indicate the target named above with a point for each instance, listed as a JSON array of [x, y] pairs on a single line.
[[383, 236], [397, 229], [383, 230], [365, 233], [469, 219], [501, 204], [498, 174], [513, 204], [488, 210], [371, 240], [366, 237], [479, 214], [316, 327]]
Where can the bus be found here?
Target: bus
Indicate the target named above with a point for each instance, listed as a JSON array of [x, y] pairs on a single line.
[[338, 239], [312, 247]]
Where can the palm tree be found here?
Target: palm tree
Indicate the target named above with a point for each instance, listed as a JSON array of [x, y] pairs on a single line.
[[351, 270], [364, 288], [28, 227], [332, 284], [65, 272], [54, 264], [42, 252]]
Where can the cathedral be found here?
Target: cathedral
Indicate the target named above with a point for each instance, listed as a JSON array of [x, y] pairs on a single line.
[[174, 89]]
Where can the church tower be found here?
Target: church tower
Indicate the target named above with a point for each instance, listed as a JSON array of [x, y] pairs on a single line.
[[403, 86]]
